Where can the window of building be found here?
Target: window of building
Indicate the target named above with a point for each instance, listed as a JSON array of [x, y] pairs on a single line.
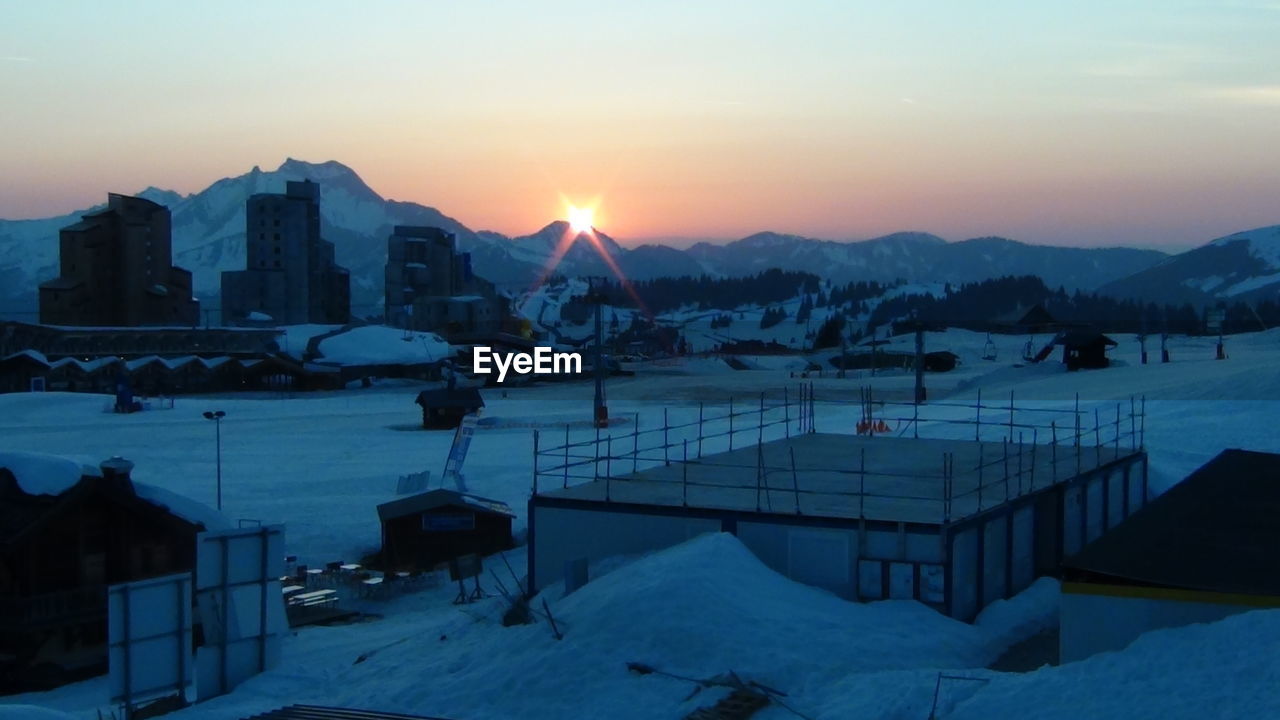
[[277, 263], [277, 222], [277, 249], [262, 236], [277, 236]]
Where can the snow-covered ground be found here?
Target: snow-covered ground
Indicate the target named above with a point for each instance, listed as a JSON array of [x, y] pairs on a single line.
[[321, 462]]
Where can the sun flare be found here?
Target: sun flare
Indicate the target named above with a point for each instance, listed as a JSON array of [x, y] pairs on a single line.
[[580, 219]]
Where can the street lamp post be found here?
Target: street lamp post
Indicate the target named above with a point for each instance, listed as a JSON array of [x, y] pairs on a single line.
[[216, 416]]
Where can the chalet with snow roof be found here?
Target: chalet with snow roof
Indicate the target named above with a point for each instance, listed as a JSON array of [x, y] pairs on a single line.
[[67, 532]]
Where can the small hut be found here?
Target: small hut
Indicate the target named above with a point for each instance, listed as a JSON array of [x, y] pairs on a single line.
[[23, 371], [1084, 349], [424, 530], [1033, 320], [444, 408]]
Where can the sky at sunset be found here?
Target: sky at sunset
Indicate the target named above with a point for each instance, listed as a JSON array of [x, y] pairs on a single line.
[[1084, 123]]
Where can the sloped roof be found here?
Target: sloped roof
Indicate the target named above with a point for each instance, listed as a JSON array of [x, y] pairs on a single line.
[[1083, 338], [441, 497], [1030, 317], [458, 397], [1215, 531]]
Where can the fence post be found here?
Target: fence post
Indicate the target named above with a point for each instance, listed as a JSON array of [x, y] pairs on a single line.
[[635, 443], [1010, 416], [1053, 450], [1133, 427], [813, 427], [730, 423], [981, 461], [1117, 441], [760, 430], [915, 421], [666, 460], [1006, 469], [684, 476], [786, 412], [1035, 440], [862, 483], [1079, 432], [977, 421], [608, 457], [1142, 424], [699, 430], [535, 462], [1020, 451], [795, 480], [566, 454], [1097, 438], [948, 485]]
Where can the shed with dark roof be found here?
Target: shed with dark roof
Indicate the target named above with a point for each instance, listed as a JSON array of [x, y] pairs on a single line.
[[1084, 349], [445, 407], [1202, 551], [421, 531]]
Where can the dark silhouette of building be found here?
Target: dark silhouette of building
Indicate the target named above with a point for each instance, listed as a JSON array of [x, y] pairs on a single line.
[[445, 407], [1202, 551], [116, 269], [1084, 349], [430, 286], [424, 530], [60, 550], [290, 275]]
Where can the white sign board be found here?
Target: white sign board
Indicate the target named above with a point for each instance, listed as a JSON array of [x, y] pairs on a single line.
[[149, 638], [241, 605], [458, 451]]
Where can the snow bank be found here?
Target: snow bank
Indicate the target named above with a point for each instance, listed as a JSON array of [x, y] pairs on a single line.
[[40, 474], [1225, 669], [710, 605], [698, 609], [1028, 613]]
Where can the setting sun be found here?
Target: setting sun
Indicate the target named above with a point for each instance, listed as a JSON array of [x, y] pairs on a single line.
[[580, 219]]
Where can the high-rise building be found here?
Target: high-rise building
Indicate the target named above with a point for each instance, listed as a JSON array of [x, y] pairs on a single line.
[[290, 275], [430, 286], [116, 270]]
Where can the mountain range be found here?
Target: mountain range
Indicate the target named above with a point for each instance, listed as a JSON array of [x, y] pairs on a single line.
[[209, 237], [1242, 267]]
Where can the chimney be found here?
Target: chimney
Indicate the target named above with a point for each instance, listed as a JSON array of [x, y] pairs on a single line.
[[116, 467]]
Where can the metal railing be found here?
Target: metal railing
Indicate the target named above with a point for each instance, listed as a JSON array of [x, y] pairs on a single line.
[[1010, 452]]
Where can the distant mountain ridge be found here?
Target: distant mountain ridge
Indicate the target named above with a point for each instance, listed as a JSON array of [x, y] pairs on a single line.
[[208, 238], [1243, 266]]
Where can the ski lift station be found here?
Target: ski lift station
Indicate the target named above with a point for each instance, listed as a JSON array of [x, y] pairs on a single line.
[[996, 498]]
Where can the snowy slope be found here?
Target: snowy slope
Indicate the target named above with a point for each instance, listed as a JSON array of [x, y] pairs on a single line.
[[1243, 266]]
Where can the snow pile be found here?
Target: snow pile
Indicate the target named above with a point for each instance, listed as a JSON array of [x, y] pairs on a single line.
[[698, 609], [382, 345], [39, 474], [1028, 613], [1220, 670]]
